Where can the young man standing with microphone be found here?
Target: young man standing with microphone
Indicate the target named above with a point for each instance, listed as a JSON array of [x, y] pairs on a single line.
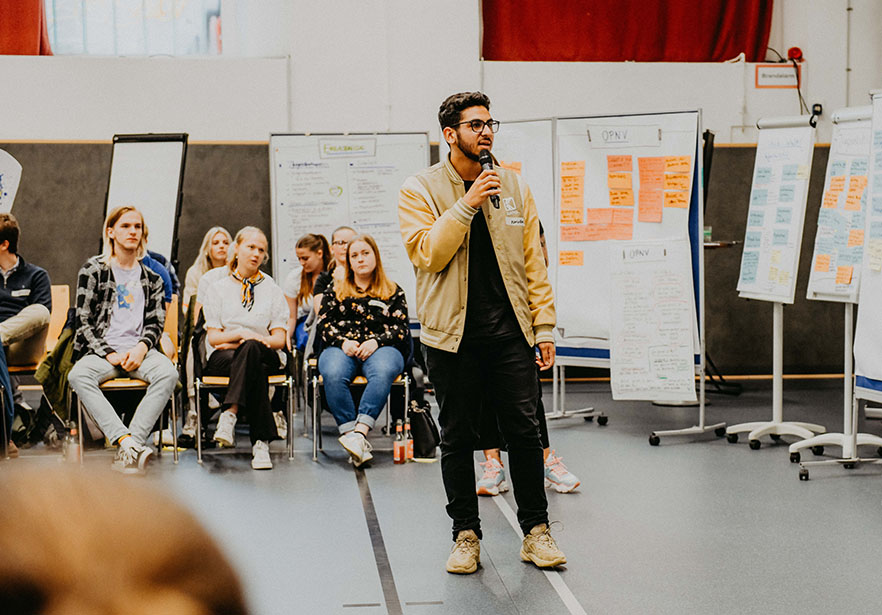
[[486, 306]]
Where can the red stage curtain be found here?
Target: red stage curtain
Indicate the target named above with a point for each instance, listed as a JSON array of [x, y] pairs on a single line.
[[23, 28], [623, 30]]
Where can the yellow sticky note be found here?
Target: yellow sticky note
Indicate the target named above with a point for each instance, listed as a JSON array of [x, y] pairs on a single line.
[[843, 275], [822, 263], [619, 181], [621, 198], [773, 274], [855, 237], [677, 199], [775, 257], [677, 164], [572, 167], [573, 258], [677, 181]]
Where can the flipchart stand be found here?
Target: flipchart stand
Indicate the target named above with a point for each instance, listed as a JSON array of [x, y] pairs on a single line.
[[559, 397], [777, 427], [849, 439]]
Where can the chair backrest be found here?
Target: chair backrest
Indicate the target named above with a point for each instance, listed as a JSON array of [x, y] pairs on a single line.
[[58, 316], [171, 324]]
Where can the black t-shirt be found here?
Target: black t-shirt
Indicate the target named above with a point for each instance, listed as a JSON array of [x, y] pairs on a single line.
[[489, 313], [322, 282]]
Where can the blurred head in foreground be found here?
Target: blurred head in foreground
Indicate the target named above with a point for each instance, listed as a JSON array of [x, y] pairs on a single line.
[[80, 542]]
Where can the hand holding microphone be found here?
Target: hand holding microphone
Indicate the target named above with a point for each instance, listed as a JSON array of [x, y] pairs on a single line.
[[486, 185]]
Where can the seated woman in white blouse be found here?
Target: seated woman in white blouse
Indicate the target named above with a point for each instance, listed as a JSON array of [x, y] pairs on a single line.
[[245, 316]]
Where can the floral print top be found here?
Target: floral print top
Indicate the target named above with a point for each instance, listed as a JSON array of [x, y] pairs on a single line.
[[363, 318]]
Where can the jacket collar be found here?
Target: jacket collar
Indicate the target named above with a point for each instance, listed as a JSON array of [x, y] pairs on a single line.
[[454, 175]]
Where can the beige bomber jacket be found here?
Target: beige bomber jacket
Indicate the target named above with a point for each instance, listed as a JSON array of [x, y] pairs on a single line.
[[435, 224]]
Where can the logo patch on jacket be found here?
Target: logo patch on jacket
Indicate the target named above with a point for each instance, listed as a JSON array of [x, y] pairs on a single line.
[[509, 204]]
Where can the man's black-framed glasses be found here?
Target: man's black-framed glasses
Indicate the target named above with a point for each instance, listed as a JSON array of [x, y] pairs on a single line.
[[477, 126]]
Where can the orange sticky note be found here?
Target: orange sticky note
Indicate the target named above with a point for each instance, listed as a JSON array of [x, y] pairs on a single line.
[[677, 164], [621, 198], [596, 232], [623, 232], [822, 262], [652, 172], [573, 167], [619, 163], [831, 199], [571, 216], [649, 205], [575, 258], [600, 215], [843, 275], [855, 237], [622, 216], [857, 183], [676, 199], [837, 183], [677, 181], [619, 181], [852, 202], [572, 233], [512, 166], [572, 191]]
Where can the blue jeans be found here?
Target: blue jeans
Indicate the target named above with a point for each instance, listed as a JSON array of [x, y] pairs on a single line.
[[339, 369], [8, 405]]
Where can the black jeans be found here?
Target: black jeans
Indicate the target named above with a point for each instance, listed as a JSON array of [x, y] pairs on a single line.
[[500, 374], [491, 437], [248, 367]]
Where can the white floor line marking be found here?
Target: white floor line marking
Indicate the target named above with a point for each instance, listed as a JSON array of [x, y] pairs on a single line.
[[553, 576]]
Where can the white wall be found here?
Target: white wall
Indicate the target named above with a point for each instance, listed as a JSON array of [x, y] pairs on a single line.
[[385, 65]]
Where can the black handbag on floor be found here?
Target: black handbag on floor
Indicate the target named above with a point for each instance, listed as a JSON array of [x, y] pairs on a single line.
[[424, 430]]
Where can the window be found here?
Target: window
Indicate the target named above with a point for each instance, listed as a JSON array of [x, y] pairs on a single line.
[[134, 27]]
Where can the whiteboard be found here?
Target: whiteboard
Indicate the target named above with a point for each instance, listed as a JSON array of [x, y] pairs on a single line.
[[868, 334], [320, 182], [776, 213], [147, 172], [839, 243], [527, 147], [654, 155], [651, 315], [10, 177]]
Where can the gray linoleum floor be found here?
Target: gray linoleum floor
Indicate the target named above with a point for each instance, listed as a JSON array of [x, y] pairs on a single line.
[[695, 525]]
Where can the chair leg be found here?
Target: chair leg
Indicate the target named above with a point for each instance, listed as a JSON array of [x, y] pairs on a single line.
[[389, 414], [197, 388], [406, 395], [174, 429], [161, 428], [80, 427], [315, 417], [290, 382], [5, 425]]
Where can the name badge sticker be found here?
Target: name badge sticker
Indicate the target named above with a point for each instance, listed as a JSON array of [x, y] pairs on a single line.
[[512, 221], [22, 292], [379, 304]]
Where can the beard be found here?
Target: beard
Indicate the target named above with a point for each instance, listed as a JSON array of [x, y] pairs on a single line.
[[468, 153]]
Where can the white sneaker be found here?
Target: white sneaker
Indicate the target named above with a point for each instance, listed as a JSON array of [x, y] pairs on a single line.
[[281, 424], [357, 446], [189, 428], [225, 435], [131, 458], [167, 439], [260, 457]]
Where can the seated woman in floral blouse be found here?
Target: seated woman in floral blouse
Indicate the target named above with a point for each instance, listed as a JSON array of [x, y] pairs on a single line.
[[363, 320]]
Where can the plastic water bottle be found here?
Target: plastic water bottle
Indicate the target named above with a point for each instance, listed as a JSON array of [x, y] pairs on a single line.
[[399, 448], [70, 447], [408, 440]]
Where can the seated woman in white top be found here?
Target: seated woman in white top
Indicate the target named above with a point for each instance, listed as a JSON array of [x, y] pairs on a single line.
[[314, 255], [212, 253], [245, 314]]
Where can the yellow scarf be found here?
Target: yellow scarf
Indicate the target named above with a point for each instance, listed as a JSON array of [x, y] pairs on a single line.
[[248, 285]]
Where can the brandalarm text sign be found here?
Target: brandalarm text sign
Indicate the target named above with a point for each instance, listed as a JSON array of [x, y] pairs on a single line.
[[777, 76]]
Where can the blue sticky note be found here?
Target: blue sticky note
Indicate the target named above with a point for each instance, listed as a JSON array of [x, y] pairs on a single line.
[[755, 218], [879, 159], [849, 256], [779, 237], [825, 217], [837, 167], [789, 172], [762, 175], [837, 222], [754, 239], [787, 193], [877, 204], [858, 219], [877, 139], [858, 166], [875, 230], [824, 245], [877, 182], [759, 196], [783, 215], [840, 239], [749, 265]]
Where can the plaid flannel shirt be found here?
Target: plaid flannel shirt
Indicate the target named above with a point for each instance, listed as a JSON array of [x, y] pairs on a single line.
[[96, 292]]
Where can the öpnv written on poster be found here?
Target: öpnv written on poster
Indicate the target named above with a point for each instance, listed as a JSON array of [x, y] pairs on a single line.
[[652, 321]]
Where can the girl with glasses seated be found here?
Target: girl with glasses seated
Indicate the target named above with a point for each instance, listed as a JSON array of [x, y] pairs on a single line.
[[364, 327]]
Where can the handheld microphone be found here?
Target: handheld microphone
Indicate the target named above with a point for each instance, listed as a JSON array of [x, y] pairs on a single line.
[[487, 163]]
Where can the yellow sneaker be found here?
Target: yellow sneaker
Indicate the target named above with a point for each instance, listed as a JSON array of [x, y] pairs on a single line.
[[465, 554], [539, 547]]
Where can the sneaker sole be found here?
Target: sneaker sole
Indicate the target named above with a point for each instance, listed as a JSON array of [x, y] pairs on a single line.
[[223, 443], [261, 466], [464, 570], [542, 563], [500, 488], [356, 459], [560, 487]]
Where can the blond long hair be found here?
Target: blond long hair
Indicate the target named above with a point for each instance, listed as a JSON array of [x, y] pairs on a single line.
[[109, 245], [233, 260], [203, 260], [380, 286]]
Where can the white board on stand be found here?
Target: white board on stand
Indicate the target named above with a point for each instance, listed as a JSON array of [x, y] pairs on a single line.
[[839, 244], [868, 333], [651, 316], [620, 178], [776, 211], [10, 177], [320, 182]]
